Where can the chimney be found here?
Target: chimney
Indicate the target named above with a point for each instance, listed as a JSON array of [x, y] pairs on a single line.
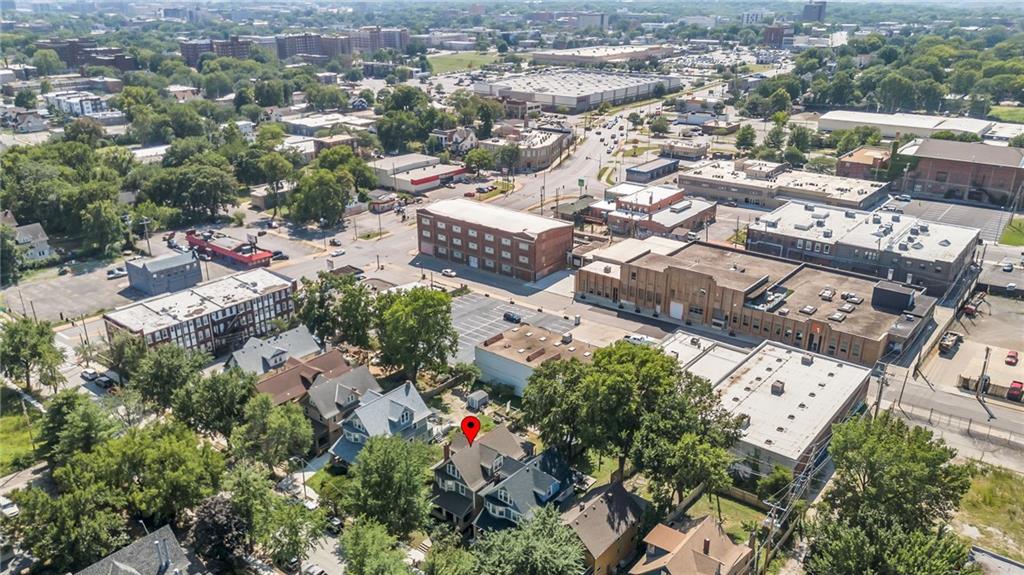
[[707, 546], [447, 450]]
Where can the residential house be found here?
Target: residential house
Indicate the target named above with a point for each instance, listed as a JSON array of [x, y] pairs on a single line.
[[522, 488], [704, 548], [456, 140], [467, 470], [606, 521], [260, 356], [26, 121], [400, 412], [158, 552], [330, 400], [32, 240], [292, 382]]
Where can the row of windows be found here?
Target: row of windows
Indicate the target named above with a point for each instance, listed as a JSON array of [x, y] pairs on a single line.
[[818, 247], [471, 233]]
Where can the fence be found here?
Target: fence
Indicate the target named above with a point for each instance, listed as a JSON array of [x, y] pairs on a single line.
[[963, 425]]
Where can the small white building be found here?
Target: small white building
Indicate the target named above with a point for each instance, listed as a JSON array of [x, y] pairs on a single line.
[[75, 103], [510, 357]]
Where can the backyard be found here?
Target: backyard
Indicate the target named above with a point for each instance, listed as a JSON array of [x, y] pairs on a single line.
[[736, 516], [446, 63], [992, 514], [1008, 113], [15, 434]]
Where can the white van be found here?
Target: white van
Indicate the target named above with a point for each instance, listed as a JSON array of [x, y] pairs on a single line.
[[638, 339]]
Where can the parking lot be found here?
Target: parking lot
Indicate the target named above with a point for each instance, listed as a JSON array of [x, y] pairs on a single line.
[[990, 221], [477, 317]]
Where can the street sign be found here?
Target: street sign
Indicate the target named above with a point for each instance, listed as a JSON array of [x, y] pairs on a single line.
[[579, 182]]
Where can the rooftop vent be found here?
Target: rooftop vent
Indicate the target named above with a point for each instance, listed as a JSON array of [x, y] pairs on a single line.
[[807, 359], [923, 226], [808, 310], [895, 217], [827, 294], [904, 247], [837, 316], [808, 207], [778, 387], [826, 233]]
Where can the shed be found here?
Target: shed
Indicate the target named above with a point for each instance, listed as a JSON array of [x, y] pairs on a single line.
[[477, 400]]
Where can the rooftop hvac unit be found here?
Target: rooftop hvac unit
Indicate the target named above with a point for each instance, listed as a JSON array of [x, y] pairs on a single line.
[[913, 231], [895, 217], [876, 219], [904, 247], [923, 226], [808, 208], [778, 387], [826, 233], [850, 214], [807, 359]]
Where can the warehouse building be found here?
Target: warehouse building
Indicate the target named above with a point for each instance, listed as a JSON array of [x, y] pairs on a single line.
[[594, 55], [216, 316], [498, 240], [167, 273], [969, 172], [577, 90], [653, 170], [414, 173], [885, 245], [843, 315], [509, 358], [761, 183], [788, 400], [893, 126]]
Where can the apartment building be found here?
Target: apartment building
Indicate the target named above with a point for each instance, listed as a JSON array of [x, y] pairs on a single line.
[[71, 51], [75, 103], [217, 316], [370, 39], [295, 44], [886, 245], [843, 315], [538, 149], [498, 240]]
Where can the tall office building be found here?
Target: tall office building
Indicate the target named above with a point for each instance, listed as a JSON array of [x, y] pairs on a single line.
[[814, 11]]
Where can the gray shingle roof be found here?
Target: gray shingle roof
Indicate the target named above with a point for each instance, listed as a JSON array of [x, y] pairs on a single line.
[[260, 356], [142, 557], [165, 262], [381, 415], [532, 485], [328, 396], [29, 233]]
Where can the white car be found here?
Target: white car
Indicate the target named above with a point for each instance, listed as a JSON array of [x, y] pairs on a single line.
[[448, 273], [8, 507], [116, 273], [337, 253], [89, 374]]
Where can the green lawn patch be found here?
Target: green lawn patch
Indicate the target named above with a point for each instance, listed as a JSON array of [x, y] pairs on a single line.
[[372, 235], [1013, 235], [15, 434], [1008, 114], [994, 508], [740, 237], [601, 467], [602, 172], [736, 516], [446, 63], [637, 151]]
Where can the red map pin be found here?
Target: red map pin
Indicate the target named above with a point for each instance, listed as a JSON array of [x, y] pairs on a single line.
[[470, 427]]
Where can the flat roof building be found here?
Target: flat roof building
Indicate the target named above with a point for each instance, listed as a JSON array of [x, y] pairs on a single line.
[[577, 90], [788, 400], [593, 55], [167, 273], [769, 184], [970, 172], [494, 239], [538, 149], [843, 315], [309, 125], [864, 163], [510, 357], [893, 126], [885, 245], [215, 316], [653, 170], [414, 173], [702, 357]]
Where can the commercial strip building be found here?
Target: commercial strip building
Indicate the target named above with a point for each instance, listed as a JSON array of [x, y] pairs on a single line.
[[510, 357], [244, 253], [788, 400], [499, 240], [893, 126], [215, 316], [963, 171], [415, 173], [652, 170], [886, 245], [760, 183], [594, 55], [654, 210], [691, 150], [167, 273], [843, 315], [538, 149], [577, 90], [309, 125]]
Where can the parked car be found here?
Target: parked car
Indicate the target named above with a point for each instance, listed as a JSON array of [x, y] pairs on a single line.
[[337, 253], [448, 272], [1008, 267], [512, 317], [334, 525], [1012, 357], [1016, 391], [640, 339], [903, 198], [280, 257], [335, 242], [470, 194], [104, 382], [949, 341], [313, 569], [89, 374], [8, 507], [116, 273], [205, 257]]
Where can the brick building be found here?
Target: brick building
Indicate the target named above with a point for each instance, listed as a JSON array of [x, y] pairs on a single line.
[[864, 163], [192, 49], [499, 240], [846, 316], [71, 51], [973, 172], [295, 44]]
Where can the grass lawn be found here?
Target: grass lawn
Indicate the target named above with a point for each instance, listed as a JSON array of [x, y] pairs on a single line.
[[637, 151], [739, 237], [602, 172], [1007, 113], [994, 509], [16, 453], [1013, 235], [462, 61], [372, 235], [734, 513], [601, 468]]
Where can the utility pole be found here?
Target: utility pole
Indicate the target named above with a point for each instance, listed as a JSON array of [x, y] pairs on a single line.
[[883, 380]]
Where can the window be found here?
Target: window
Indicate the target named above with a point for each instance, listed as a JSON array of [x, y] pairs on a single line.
[[489, 250], [450, 468], [506, 255], [462, 488], [855, 351], [472, 245], [440, 225], [442, 250], [506, 242], [524, 259], [825, 248], [456, 229], [799, 244], [442, 237], [524, 246], [503, 496], [456, 242], [632, 276], [489, 237], [426, 233], [817, 247], [505, 268], [471, 232]]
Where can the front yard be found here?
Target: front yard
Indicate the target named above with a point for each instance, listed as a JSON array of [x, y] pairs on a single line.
[[16, 434]]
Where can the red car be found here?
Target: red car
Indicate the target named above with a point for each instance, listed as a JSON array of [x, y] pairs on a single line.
[[1016, 391], [1012, 357]]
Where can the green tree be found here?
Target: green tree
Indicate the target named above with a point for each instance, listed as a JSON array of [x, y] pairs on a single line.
[[355, 311], [477, 160], [780, 101], [387, 484], [448, 557], [774, 486], [553, 403], [321, 195], [214, 404], [746, 137], [25, 98], [896, 91], [85, 130], [370, 550], [415, 331], [165, 369], [291, 531], [124, 354], [636, 119], [800, 137], [271, 434], [48, 62], [85, 427], [659, 125], [541, 545], [336, 307], [775, 138], [28, 347], [794, 157], [276, 169], [250, 492], [11, 258], [1017, 141], [219, 534], [105, 230]]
